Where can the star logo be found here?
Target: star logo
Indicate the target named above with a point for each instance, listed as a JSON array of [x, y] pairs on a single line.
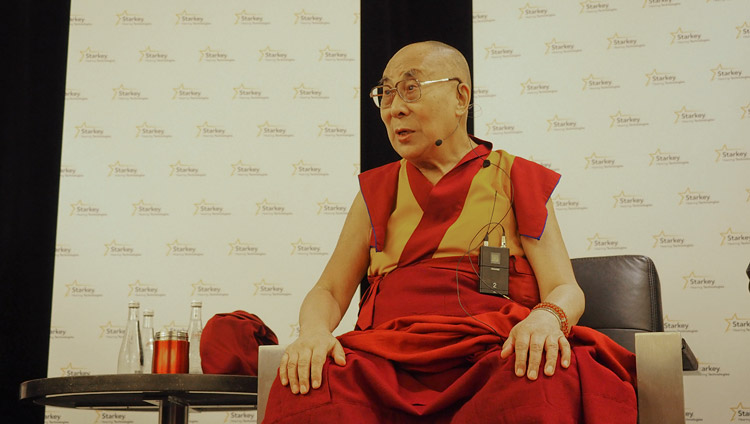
[[171, 246], [724, 149], [245, 14], [584, 3], [686, 193], [657, 153], [586, 80], [327, 125], [82, 127], [261, 283], [594, 239], [650, 77], [200, 204], [687, 278], [622, 195], [267, 127], [619, 114], [552, 121], [200, 284], [717, 69], [593, 158], [134, 285], [235, 244], [745, 410], [745, 111], [175, 167], [525, 9], [676, 33], [239, 89], [299, 243], [552, 43], [297, 90], [116, 89], [357, 171], [613, 38], [261, 204], [74, 206], [84, 52], [730, 236], [301, 14], [179, 91], [124, 14], [108, 326], [144, 52], [75, 284], [140, 128], [184, 15], [524, 85], [172, 325], [237, 165], [744, 28], [204, 127], [114, 166], [678, 113], [493, 48], [732, 319], [324, 203], [356, 17], [205, 51], [111, 245], [264, 52], [70, 369], [658, 237], [327, 50]]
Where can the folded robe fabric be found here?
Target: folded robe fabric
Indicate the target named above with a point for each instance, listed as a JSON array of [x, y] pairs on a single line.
[[229, 343]]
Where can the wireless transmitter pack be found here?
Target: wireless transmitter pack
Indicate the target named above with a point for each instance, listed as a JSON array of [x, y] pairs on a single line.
[[493, 270]]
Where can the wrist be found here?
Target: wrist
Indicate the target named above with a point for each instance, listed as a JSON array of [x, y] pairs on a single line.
[[558, 313]]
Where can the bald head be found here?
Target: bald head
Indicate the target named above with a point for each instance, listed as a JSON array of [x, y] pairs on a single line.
[[439, 58]]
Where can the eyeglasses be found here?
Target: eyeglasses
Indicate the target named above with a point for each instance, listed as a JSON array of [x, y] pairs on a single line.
[[410, 90]]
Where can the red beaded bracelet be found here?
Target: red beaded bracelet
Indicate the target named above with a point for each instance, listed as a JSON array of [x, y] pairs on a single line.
[[557, 312]]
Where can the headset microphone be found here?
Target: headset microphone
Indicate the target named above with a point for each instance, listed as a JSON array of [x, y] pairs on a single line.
[[438, 142], [486, 163]]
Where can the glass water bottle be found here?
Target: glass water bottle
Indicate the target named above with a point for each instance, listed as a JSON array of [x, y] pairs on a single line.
[[148, 340], [194, 337], [130, 360]]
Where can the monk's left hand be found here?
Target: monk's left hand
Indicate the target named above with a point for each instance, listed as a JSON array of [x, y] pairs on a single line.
[[539, 332]]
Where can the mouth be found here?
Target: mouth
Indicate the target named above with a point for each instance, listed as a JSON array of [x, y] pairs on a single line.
[[403, 133]]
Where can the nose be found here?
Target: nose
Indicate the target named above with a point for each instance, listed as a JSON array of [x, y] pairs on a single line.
[[399, 107]]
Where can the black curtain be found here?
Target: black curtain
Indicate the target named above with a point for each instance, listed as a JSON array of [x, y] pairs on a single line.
[[387, 26], [35, 38]]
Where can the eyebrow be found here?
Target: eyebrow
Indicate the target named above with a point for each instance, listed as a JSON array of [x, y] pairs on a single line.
[[411, 73]]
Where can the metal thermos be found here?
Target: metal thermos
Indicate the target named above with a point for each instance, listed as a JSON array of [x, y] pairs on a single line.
[[171, 352]]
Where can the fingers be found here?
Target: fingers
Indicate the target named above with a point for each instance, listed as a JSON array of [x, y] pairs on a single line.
[[290, 369], [507, 347], [316, 368], [338, 354], [551, 348], [535, 348], [565, 348], [522, 350], [303, 370]]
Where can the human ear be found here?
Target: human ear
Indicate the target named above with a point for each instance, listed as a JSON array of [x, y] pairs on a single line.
[[463, 97]]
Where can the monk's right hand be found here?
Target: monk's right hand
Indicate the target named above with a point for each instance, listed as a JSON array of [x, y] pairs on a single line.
[[303, 360]]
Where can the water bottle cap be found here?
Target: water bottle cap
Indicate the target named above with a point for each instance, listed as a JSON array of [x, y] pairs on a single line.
[[196, 303], [148, 312], [134, 304]]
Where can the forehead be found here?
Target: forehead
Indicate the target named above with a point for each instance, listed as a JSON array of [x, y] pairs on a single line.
[[414, 62]]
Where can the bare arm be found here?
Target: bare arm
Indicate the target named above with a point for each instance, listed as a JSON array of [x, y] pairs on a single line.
[[326, 303], [540, 331]]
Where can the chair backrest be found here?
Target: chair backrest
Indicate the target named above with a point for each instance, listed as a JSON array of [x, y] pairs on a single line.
[[623, 296]]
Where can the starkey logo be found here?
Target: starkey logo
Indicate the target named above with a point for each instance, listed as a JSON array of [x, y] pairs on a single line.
[[596, 161], [529, 11], [179, 169], [618, 41], [740, 413], [145, 130], [660, 3], [116, 249], [596, 6], [623, 200], [694, 281], [248, 93], [305, 169], [246, 18], [624, 120], [272, 55], [725, 73], [111, 331], [150, 55], [139, 289], [328, 54], [567, 203], [536, 87], [269, 130], [304, 92], [186, 18], [242, 417], [204, 208], [89, 55], [687, 116], [118, 169], [268, 208], [557, 123], [731, 154], [555, 46], [126, 18], [599, 242], [660, 158], [125, 93], [743, 31], [691, 197], [327, 129], [737, 324], [664, 240], [678, 325], [501, 128], [304, 17], [734, 238], [186, 93], [241, 169], [89, 131], [70, 370], [70, 171], [263, 288], [202, 288], [80, 208], [177, 248], [206, 130], [326, 207], [499, 52], [241, 248], [76, 289], [481, 17], [303, 248], [681, 36], [592, 82], [210, 54], [656, 78]]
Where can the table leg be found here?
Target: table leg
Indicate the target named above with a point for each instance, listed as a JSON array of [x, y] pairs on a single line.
[[172, 411]]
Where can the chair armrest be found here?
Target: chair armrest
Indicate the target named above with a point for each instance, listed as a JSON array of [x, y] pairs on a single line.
[[661, 398], [269, 357]]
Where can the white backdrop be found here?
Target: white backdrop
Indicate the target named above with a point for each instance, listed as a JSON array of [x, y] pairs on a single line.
[[644, 107], [210, 152]]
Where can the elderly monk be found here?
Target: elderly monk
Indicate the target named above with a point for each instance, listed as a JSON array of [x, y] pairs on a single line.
[[429, 347]]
